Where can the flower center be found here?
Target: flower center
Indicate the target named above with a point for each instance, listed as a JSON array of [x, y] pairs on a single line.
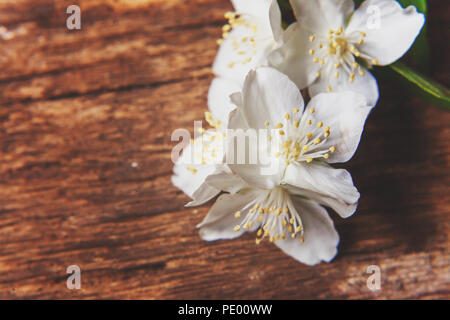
[[338, 51], [244, 41], [301, 138], [274, 214], [339, 46]]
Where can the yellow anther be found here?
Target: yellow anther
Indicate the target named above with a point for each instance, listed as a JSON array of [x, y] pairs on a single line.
[[259, 233], [237, 228], [305, 148], [362, 72], [312, 38], [337, 65], [219, 41], [309, 135], [231, 65], [352, 77], [291, 220], [271, 239], [296, 123], [336, 74], [192, 169], [287, 116], [299, 229], [318, 74], [326, 134], [259, 219], [332, 149], [295, 110], [277, 154], [309, 160], [258, 241], [309, 122], [355, 65], [312, 110], [282, 132], [237, 214], [302, 239], [316, 141], [284, 223], [266, 123], [283, 235], [320, 124], [278, 126], [322, 61], [226, 28], [326, 155], [374, 61], [279, 211], [363, 33], [329, 89], [311, 51], [293, 235], [361, 41]]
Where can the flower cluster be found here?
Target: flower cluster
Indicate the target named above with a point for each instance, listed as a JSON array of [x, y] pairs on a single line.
[[260, 69]]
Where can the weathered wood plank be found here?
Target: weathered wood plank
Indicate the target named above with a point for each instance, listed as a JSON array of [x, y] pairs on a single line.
[[85, 124]]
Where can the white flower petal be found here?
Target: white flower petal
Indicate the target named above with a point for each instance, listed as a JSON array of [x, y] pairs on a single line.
[[220, 221], [275, 20], [398, 28], [320, 237], [203, 194], [324, 184], [293, 59], [267, 96], [189, 171], [363, 84], [189, 182], [226, 181], [319, 16], [345, 113], [258, 8], [245, 152], [219, 101], [238, 54]]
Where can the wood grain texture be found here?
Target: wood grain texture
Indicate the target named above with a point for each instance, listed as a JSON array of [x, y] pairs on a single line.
[[78, 108]]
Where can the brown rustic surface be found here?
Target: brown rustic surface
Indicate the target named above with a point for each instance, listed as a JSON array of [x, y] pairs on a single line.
[[77, 108]]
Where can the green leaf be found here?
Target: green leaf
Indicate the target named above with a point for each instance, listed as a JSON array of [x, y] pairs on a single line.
[[429, 89]]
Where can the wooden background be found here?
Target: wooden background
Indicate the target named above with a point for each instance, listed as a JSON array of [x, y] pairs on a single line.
[[85, 124]]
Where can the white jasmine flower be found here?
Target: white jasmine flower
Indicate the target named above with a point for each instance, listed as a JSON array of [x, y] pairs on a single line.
[[285, 207], [250, 34], [204, 156], [201, 158], [330, 46]]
